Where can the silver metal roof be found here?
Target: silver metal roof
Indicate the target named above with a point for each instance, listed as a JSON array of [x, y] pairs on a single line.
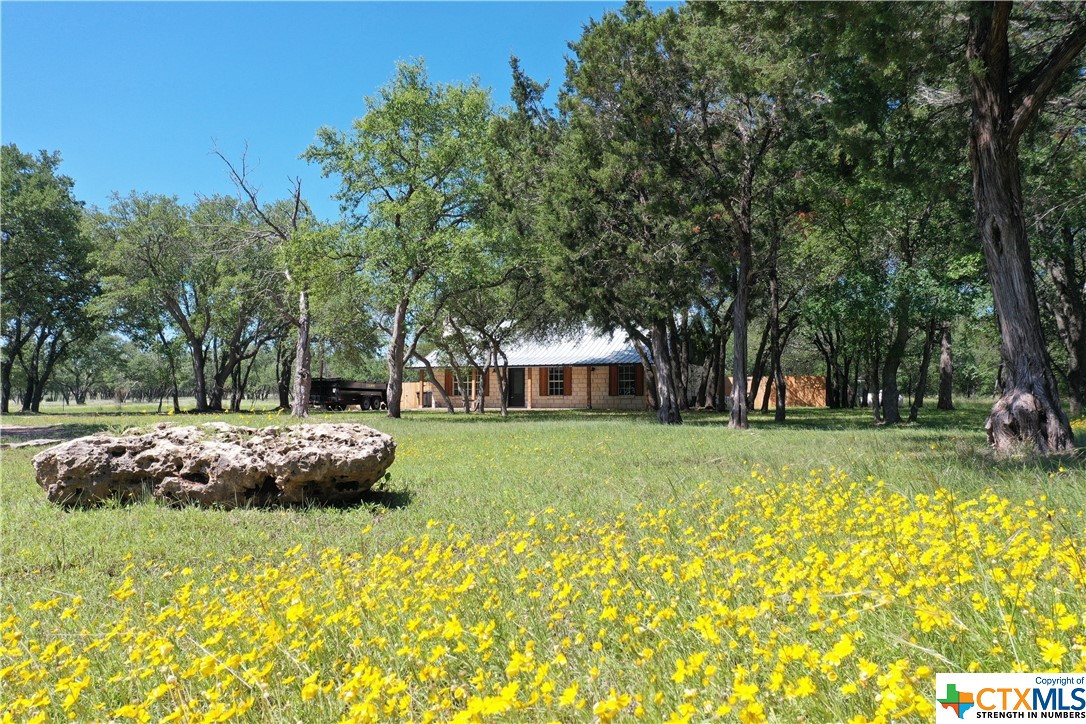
[[587, 349]]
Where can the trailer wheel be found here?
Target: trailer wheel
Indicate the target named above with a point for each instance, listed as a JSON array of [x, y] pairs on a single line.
[[365, 405]]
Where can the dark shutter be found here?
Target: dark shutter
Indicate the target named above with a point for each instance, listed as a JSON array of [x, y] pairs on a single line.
[[486, 383], [448, 383], [612, 372], [567, 380], [639, 380], [543, 382]]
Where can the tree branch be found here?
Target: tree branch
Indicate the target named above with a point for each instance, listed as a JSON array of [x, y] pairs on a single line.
[[1030, 92]]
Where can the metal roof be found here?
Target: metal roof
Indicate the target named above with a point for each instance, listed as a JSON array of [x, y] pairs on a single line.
[[586, 349]]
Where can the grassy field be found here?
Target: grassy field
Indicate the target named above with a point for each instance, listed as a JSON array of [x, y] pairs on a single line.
[[557, 566]]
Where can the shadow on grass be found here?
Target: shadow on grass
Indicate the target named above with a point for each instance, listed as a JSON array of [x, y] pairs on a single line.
[[64, 431], [493, 416], [966, 418], [387, 499], [374, 498]]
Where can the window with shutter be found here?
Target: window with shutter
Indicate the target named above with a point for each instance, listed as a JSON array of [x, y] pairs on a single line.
[[556, 381]]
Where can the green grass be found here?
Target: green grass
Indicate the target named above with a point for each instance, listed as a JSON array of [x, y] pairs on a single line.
[[482, 474]]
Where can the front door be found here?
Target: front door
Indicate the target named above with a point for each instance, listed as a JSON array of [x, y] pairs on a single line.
[[515, 388]]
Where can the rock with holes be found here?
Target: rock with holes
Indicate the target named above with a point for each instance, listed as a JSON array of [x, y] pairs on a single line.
[[216, 464]]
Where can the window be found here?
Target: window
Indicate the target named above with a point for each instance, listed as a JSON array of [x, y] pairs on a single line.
[[461, 388], [556, 381], [627, 380]]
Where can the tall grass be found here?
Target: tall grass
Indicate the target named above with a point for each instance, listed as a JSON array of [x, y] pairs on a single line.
[[820, 568]]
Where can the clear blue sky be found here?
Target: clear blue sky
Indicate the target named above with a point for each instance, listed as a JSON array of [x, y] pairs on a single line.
[[135, 95]]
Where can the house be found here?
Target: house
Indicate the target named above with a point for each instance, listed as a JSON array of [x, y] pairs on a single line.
[[593, 371]]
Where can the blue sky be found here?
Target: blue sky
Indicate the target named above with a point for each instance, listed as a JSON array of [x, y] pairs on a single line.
[[135, 95]]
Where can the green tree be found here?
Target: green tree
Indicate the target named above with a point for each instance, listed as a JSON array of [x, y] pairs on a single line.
[[46, 275], [1016, 58], [198, 266], [742, 107], [628, 255], [1054, 172], [411, 172], [298, 244], [89, 366]]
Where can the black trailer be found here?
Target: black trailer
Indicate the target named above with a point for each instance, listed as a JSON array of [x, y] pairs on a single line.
[[336, 393]]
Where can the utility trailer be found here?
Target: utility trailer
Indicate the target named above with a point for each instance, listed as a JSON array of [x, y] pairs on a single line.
[[335, 393]]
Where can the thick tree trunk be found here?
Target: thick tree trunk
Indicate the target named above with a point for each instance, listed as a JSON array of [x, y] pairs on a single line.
[[5, 383], [199, 363], [396, 358], [679, 360], [1029, 411], [891, 409], [668, 410], [708, 370], [303, 376], [922, 380], [28, 396], [946, 369]]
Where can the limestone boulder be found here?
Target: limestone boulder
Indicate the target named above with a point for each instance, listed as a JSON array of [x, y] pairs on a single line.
[[222, 465]]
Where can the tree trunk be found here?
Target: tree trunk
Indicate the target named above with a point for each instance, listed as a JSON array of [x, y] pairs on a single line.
[[680, 367], [638, 340], [1028, 411], [28, 396], [501, 371], [775, 342], [199, 362], [1070, 313], [738, 414], [759, 372], [720, 399], [707, 373], [891, 409], [303, 376], [946, 369], [668, 411], [396, 358], [437, 385], [5, 382], [284, 373], [922, 382], [875, 390]]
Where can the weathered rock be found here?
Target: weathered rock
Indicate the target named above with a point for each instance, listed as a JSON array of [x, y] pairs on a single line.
[[219, 464]]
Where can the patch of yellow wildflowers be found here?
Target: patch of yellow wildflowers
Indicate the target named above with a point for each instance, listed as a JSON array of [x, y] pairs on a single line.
[[782, 598]]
